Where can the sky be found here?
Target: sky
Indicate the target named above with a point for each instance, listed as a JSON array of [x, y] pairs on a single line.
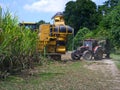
[[36, 10]]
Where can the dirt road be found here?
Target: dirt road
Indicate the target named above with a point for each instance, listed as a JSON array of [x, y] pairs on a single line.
[[106, 67]]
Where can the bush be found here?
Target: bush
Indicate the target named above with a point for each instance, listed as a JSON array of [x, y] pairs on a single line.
[[80, 36]]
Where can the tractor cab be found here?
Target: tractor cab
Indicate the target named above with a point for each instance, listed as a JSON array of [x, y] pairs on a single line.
[[90, 43]]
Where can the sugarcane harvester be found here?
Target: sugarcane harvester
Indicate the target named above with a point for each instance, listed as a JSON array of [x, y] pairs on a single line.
[[53, 38]]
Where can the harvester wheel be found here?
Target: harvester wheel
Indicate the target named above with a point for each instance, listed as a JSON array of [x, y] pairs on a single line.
[[87, 55], [74, 57], [55, 57]]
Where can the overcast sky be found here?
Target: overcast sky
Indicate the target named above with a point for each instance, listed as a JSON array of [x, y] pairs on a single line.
[[35, 10]]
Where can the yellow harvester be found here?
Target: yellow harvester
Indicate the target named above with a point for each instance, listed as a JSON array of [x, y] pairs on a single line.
[[53, 38]]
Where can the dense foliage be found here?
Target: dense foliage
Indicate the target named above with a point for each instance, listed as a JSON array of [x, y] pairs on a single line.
[[111, 24]]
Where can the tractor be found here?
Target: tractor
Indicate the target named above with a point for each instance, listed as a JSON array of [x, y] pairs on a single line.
[[90, 49]]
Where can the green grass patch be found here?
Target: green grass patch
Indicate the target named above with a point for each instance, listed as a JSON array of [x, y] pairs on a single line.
[[57, 76], [45, 75], [116, 58]]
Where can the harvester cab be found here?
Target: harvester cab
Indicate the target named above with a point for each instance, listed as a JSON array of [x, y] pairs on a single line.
[[53, 38], [30, 25], [58, 19]]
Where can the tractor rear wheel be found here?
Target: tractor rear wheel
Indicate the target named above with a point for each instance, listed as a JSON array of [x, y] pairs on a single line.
[[87, 55], [98, 54]]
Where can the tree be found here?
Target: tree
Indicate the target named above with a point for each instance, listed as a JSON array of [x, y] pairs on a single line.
[[40, 22], [69, 13], [108, 6], [111, 23], [81, 13]]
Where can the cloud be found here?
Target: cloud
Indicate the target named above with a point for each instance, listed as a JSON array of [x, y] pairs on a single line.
[[51, 5], [46, 5]]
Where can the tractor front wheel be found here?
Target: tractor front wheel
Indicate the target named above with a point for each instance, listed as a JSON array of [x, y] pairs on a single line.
[[74, 56], [87, 55]]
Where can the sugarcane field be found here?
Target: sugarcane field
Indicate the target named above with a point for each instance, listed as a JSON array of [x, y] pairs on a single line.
[[60, 45]]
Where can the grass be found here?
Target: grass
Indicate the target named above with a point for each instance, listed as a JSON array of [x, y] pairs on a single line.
[[56, 76], [38, 80], [116, 58]]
